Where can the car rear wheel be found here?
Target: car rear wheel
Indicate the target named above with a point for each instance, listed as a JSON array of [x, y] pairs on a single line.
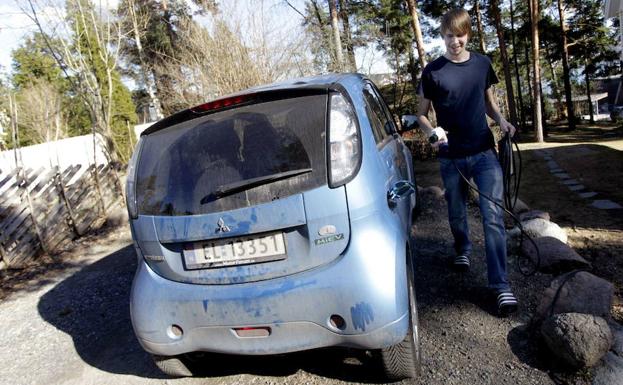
[[172, 366], [403, 360]]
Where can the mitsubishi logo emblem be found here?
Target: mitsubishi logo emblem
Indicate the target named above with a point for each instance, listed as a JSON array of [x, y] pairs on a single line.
[[222, 227]]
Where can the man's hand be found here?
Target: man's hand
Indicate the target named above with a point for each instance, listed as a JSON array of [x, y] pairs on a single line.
[[506, 127], [441, 137]]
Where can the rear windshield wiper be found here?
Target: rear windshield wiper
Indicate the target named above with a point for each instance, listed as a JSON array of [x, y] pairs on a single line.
[[231, 188]]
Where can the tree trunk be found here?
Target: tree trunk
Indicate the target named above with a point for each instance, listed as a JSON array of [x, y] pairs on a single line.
[[543, 114], [518, 80], [412, 67], [481, 34], [336, 36], [417, 32], [149, 81], [321, 24], [510, 95], [534, 18], [588, 94], [348, 39], [528, 74], [555, 85], [565, 67]]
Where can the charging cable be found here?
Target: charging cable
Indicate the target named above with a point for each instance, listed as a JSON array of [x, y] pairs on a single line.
[[511, 174]]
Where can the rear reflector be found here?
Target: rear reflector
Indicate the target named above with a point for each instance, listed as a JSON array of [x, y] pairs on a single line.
[[249, 332]]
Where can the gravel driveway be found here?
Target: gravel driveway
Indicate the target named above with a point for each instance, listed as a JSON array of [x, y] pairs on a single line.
[[68, 323]]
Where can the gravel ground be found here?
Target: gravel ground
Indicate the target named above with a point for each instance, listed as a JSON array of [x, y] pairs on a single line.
[[463, 340], [67, 321]]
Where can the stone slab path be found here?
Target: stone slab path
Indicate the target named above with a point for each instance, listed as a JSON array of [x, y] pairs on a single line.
[[575, 186]]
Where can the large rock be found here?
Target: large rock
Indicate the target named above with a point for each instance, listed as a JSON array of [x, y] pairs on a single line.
[[576, 292], [538, 227], [554, 256], [578, 340], [610, 371]]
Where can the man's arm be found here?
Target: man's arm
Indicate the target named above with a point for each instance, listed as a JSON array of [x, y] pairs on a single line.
[[425, 124], [494, 112], [422, 116]]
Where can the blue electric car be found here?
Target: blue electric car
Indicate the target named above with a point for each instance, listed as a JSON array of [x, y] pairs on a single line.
[[275, 220]]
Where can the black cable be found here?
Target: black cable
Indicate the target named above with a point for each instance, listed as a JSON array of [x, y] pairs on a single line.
[[511, 174], [556, 297]]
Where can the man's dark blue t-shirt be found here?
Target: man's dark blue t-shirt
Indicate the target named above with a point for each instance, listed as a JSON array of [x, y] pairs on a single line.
[[457, 91]]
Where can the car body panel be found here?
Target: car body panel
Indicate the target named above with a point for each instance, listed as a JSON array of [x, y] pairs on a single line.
[[365, 286], [356, 270]]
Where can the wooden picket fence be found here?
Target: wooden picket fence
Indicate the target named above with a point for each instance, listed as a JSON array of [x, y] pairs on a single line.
[[41, 213]]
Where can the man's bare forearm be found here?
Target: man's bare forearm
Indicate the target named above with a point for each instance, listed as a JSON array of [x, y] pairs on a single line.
[[422, 117], [494, 112], [425, 125]]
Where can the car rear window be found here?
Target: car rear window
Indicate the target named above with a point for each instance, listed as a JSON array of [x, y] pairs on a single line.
[[234, 158]]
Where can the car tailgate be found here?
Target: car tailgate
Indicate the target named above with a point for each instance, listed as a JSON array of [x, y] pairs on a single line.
[[315, 226]]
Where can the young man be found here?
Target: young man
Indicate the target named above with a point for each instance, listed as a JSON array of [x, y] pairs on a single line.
[[458, 85]]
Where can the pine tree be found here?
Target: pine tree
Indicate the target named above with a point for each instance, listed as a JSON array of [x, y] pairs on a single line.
[[494, 11], [565, 64], [535, 16]]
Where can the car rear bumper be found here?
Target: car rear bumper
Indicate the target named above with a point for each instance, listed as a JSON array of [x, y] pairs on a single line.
[[284, 338], [366, 286]]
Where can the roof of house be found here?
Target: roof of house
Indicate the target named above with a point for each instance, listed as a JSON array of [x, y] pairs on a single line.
[[581, 98], [599, 96]]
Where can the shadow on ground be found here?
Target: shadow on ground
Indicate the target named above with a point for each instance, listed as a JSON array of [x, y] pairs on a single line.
[[92, 306], [31, 279]]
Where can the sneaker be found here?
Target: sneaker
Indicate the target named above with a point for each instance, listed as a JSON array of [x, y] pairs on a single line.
[[461, 263], [507, 303]]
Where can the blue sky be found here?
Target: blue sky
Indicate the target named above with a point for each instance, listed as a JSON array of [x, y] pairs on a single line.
[[15, 25]]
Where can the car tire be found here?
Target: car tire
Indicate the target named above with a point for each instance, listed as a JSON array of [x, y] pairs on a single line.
[[172, 366], [402, 360]]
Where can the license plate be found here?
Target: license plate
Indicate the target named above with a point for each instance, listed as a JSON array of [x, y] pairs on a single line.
[[235, 251]]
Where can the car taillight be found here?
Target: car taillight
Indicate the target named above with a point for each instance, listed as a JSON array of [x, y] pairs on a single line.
[[344, 142], [223, 103], [130, 186]]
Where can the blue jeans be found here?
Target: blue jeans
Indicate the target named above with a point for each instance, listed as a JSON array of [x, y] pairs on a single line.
[[487, 173]]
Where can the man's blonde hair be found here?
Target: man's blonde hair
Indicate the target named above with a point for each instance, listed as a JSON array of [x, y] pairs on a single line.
[[456, 21]]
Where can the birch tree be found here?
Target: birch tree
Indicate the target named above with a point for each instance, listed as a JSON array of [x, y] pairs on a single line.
[[40, 106], [137, 29]]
